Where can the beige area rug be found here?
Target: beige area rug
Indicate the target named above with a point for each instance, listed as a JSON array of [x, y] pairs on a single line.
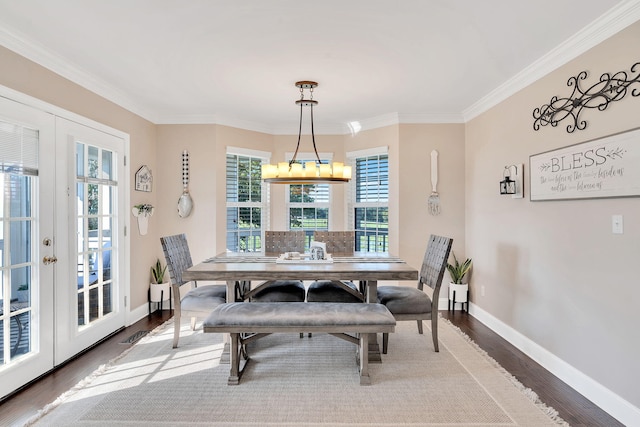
[[300, 382]]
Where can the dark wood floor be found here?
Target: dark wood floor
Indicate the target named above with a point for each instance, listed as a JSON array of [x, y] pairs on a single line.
[[571, 406]]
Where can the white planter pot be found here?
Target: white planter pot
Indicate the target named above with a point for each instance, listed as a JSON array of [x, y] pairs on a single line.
[[143, 220], [461, 290], [160, 292], [23, 296]]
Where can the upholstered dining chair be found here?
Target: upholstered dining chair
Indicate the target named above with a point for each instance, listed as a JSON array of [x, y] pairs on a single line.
[[338, 242], [197, 302], [290, 290], [406, 303]]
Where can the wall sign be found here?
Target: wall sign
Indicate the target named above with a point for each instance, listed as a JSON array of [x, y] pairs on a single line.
[[604, 167], [144, 179]]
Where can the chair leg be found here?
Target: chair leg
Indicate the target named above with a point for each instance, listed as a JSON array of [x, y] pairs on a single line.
[[193, 323], [434, 332], [176, 331], [385, 342], [419, 326]]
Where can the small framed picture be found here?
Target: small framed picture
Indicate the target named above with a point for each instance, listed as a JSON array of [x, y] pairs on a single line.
[[144, 179]]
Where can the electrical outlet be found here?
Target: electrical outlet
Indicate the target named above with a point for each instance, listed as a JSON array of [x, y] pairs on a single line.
[[482, 290]]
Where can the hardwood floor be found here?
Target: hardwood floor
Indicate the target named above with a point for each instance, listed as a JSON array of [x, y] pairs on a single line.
[[21, 406], [572, 406]]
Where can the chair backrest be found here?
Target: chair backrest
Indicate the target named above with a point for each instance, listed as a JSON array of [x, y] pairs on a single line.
[[177, 256], [284, 241], [338, 242], [435, 261]]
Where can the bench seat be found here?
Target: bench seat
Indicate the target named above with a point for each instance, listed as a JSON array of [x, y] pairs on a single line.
[[258, 319]]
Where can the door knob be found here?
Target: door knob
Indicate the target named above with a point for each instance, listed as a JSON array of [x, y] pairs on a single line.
[[49, 260]]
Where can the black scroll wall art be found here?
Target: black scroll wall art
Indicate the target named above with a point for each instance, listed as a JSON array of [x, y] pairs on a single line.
[[608, 89]]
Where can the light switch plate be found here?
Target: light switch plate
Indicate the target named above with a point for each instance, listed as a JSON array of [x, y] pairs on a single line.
[[617, 225]]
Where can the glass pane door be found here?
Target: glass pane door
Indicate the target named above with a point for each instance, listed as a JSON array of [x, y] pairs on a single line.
[[90, 293], [17, 264], [27, 177], [95, 194]]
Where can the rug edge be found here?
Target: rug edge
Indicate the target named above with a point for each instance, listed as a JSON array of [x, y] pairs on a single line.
[[549, 411], [93, 375]]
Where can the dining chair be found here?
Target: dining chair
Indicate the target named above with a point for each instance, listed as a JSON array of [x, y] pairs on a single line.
[[197, 302], [338, 242], [289, 290], [406, 303]]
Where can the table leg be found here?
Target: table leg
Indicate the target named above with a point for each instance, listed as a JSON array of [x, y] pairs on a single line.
[[365, 379], [372, 298], [225, 358]]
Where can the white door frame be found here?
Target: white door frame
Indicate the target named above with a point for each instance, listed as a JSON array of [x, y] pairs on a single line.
[[124, 184]]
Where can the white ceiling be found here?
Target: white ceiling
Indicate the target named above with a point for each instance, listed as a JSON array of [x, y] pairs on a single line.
[[376, 61]]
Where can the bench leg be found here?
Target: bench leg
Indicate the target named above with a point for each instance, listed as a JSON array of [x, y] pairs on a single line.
[[234, 375], [364, 360]]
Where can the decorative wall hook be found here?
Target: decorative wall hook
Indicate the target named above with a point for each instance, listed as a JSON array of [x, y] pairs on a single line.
[[185, 204], [608, 89]]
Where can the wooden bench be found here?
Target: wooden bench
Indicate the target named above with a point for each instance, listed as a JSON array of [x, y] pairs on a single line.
[[247, 321]]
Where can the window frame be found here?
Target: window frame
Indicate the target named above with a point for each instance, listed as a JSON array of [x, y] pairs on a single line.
[[304, 157], [353, 204], [263, 204]]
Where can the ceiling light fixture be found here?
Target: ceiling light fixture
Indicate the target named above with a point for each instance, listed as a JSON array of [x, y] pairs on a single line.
[[312, 172]]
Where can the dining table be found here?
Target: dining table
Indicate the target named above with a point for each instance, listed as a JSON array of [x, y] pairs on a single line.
[[239, 270]]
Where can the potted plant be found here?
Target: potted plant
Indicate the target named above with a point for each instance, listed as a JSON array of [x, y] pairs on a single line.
[[142, 212], [458, 291], [23, 293], [144, 209], [160, 284]]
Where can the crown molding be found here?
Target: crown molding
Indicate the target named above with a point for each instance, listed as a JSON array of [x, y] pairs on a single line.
[[318, 129], [615, 20], [43, 57], [215, 119], [612, 22], [431, 118]]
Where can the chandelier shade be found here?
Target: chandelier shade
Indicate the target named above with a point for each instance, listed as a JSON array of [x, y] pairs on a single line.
[[311, 172]]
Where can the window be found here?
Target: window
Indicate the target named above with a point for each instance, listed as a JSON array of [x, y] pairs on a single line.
[[308, 207], [370, 200], [246, 200]]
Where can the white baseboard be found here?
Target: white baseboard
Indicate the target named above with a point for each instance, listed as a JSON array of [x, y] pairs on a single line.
[[142, 311], [610, 402], [443, 304], [137, 314]]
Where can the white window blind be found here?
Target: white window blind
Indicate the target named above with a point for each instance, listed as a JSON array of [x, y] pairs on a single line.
[[247, 200], [18, 149], [369, 200]]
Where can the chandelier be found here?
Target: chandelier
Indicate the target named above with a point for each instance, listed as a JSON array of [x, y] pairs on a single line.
[[312, 172]]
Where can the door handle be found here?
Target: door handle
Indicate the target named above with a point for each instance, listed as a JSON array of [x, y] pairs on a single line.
[[49, 260]]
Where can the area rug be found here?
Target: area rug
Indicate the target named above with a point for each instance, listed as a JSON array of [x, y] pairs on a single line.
[[300, 382]]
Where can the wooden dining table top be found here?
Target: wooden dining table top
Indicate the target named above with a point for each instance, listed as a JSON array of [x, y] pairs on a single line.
[[263, 266]]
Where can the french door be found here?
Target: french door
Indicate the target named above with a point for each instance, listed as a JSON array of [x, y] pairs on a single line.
[[90, 285], [62, 240], [27, 177]]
